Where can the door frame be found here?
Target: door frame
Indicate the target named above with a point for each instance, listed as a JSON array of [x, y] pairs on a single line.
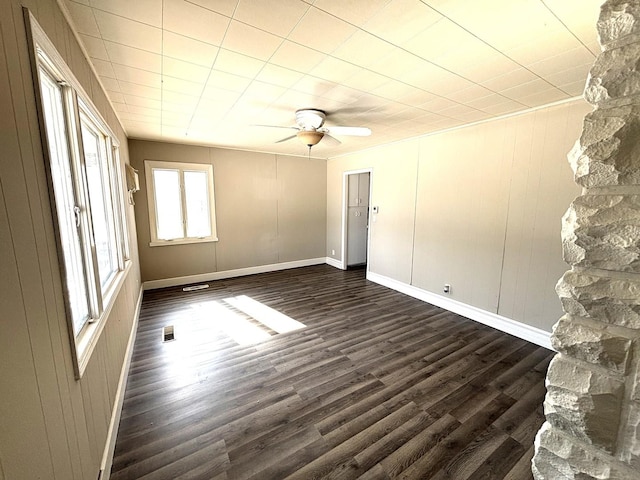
[[345, 212]]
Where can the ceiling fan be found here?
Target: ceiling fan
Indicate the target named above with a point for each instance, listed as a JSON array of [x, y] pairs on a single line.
[[311, 128]]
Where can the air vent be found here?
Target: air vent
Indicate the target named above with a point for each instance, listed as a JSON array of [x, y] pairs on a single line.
[[193, 288], [168, 334]]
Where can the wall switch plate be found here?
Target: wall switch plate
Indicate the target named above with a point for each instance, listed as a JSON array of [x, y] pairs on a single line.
[[333, 252]]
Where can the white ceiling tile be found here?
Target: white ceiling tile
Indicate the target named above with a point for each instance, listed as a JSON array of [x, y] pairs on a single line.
[[292, 100], [218, 96], [530, 88], [143, 130], [139, 117], [133, 57], [469, 94], [395, 64], [505, 107], [119, 107], [580, 18], [574, 88], [225, 7], [334, 70], [95, 47], [280, 76], [142, 101], [438, 104], [543, 97], [577, 56], [439, 39], [188, 49], [187, 71], [194, 21], [237, 64], [365, 80], [250, 41], [400, 20], [313, 85], [128, 32], [276, 16], [135, 75], [103, 68], [263, 91], [552, 44], [356, 12], [320, 31], [577, 73], [343, 94], [150, 112], [139, 90], [487, 101], [83, 19], [145, 11], [186, 103], [227, 81], [179, 85], [507, 80], [115, 97], [110, 83], [363, 49], [296, 57]]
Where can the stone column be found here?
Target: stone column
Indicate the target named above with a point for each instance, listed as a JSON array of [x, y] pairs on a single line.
[[592, 407]]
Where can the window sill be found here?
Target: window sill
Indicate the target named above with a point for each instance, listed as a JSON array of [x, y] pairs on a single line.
[[184, 241], [88, 338]]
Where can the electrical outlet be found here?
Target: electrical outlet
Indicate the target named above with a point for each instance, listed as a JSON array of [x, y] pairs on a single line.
[[333, 252], [447, 288]]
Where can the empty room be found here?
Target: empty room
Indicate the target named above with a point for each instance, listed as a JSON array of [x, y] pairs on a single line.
[[306, 239]]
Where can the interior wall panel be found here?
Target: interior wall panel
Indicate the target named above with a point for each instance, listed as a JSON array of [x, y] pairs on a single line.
[[302, 208], [488, 206], [43, 408], [461, 214], [269, 209]]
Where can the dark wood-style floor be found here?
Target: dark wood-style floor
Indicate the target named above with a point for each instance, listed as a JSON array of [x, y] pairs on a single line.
[[378, 385]]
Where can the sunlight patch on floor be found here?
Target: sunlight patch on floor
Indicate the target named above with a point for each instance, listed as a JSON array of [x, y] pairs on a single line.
[[273, 319], [235, 326]]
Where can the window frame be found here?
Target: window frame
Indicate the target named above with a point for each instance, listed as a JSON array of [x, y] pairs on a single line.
[[182, 167], [77, 108]]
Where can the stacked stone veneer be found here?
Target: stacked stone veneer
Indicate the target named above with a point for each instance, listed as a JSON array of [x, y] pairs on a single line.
[[592, 407]]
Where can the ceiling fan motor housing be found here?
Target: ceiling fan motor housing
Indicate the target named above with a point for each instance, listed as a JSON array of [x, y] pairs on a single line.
[[310, 118]]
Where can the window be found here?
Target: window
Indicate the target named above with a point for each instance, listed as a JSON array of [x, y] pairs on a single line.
[[87, 195], [181, 202]]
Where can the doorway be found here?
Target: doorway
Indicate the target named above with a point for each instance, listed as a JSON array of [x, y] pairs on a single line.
[[356, 232]]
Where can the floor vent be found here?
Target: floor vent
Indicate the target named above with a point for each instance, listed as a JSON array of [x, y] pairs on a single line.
[[167, 333], [193, 288]]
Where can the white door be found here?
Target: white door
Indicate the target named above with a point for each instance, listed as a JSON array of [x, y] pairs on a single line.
[[357, 218]]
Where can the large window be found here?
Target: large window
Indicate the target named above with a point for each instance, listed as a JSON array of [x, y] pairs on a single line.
[[87, 195], [181, 202]]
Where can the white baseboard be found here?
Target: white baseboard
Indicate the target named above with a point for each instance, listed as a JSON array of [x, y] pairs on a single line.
[[504, 324], [240, 272], [334, 263], [112, 433]]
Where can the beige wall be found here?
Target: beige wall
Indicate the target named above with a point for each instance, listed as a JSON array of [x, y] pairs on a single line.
[[269, 208], [478, 208], [51, 426]]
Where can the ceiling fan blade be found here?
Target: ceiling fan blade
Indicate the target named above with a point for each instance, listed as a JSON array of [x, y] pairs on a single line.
[[328, 139], [286, 138], [353, 131], [274, 126]]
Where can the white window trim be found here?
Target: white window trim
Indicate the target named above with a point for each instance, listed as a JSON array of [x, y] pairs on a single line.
[[149, 165], [83, 343]]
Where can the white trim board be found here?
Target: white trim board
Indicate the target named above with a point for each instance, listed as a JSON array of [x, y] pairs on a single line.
[[504, 324], [335, 263], [112, 433], [239, 272]]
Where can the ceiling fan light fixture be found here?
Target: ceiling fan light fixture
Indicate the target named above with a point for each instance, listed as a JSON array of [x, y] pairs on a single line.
[[310, 137]]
